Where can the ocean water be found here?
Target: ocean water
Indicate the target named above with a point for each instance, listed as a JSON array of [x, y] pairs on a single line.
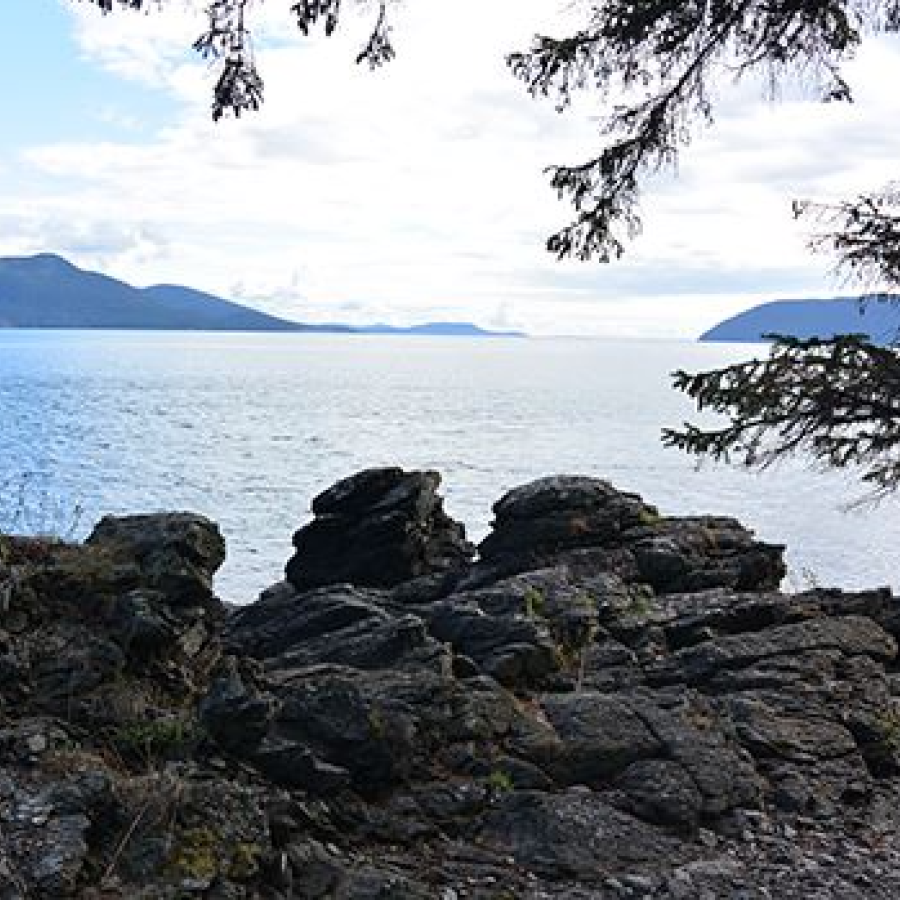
[[248, 428]]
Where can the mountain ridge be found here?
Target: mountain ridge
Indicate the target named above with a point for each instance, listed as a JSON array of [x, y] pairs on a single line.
[[48, 291]]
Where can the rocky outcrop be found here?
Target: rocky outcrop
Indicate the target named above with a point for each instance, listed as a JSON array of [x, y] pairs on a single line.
[[378, 529], [537, 523], [175, 553], [607, 703]]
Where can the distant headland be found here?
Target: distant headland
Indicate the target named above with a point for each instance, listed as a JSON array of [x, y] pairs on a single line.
[[877, 319], [47, 291]]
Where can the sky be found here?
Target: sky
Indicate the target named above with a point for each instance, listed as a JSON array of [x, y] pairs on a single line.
[[411, 194]]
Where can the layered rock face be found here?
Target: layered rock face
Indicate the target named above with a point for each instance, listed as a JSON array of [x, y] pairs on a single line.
[[536, 523], [104, 648], [607, 703], [378, 528]]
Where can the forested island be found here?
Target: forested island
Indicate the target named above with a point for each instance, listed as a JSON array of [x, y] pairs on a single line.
[[878, 320]]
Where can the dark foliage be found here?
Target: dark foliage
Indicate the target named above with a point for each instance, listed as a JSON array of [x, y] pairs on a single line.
[[862, 234], [664, 58], [227, 42], [836, 400]]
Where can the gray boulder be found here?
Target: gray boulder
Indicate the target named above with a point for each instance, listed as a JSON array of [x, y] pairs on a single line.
[[577, 521], [559, 513], [176, 553], [379, 528]]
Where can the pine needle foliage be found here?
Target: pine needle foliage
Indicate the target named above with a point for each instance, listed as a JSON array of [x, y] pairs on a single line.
[[837, 401], [659, 63], [227, 43]]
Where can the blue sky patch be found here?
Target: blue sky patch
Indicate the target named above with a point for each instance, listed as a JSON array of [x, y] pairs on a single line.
[[59, 95]]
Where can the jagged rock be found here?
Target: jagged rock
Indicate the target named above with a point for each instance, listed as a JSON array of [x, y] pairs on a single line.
[[798, 738], [285, 618], [392, 642], [294, 764], [235, 715], [378, 528], [45, 831], [145, 630], [598, 737], [28, 739], [561, 513], [548, 518], [351, 723], [700, 553], [609, 740], [661, 791], [701, 738], [70, 662], [512, 649], [723, 660], [176, 553], [339, 624]]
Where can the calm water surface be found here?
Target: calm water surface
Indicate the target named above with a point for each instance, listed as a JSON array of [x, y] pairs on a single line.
[[248, 428]]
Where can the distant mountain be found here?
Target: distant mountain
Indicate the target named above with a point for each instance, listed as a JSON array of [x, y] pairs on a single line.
[[441, 329], [47, 291], [811, 318], [223, 315]]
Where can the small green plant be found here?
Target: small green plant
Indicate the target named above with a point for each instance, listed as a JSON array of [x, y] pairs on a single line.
[[888, 725], [376, 721], [244, 862], [534, 602], [500, 782], [649, 516], [196, 853], [203, 853], [153, 740], [640, 603], [881, 748]]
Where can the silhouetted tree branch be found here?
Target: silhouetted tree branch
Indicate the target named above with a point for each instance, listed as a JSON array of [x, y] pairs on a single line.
[[227, 41], [836, 400], [863, 235], [661, 60]]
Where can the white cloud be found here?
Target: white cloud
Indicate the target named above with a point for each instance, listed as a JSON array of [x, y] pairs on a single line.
[[140, 46], [417, 191]]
